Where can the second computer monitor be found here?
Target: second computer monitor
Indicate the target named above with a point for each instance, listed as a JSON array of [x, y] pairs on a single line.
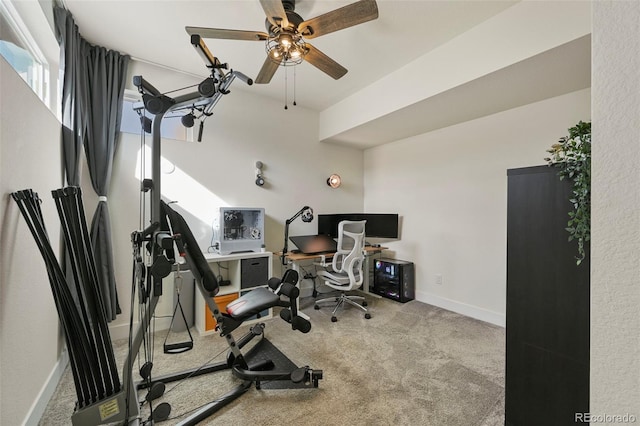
[[379, 225]]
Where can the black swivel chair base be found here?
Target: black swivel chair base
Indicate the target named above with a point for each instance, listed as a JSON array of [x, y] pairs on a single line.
[[342, 299]]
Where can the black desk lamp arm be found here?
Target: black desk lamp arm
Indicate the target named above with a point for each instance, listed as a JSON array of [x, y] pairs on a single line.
[[286, 231]]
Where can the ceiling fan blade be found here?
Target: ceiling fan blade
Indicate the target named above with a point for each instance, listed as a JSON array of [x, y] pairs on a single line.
[[267, 71], [275, 12], [338, 19], [227, 34], [324, 63]]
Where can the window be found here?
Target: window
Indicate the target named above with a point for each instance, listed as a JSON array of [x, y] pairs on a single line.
[[21, 52], [171, 127]]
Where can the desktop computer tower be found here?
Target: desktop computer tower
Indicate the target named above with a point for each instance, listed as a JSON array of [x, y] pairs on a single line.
[[393, 279], [238, 229]]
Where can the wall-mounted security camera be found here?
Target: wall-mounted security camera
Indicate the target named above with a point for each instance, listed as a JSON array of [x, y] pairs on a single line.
[[259, 177]]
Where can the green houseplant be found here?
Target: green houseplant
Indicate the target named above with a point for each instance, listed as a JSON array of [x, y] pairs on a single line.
[[572, 156]]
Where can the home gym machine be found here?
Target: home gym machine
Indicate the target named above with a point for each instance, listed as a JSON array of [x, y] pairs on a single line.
[[153, 259], [168, 229]]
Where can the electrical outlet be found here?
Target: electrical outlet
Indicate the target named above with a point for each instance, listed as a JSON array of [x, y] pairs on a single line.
[[439, 279]]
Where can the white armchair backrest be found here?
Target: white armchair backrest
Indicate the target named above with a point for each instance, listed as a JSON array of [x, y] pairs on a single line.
[[350, 254]]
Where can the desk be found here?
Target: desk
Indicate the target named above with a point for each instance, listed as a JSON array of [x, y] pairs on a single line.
[[296, 258]]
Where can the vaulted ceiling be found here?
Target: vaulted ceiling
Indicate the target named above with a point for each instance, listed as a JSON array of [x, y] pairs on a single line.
[[374, 52]]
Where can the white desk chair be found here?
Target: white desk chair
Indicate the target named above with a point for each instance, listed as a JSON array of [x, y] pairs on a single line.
[[346, 272]]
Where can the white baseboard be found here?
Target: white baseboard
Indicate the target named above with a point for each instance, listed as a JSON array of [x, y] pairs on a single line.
[[476, 312], [38, 407], [40, 404], [121, 331]]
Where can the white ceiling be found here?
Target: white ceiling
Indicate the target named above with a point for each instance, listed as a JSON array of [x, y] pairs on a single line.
[[153, 31]]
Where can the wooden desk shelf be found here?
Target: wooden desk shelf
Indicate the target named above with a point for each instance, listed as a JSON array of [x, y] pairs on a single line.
[[295, 259]]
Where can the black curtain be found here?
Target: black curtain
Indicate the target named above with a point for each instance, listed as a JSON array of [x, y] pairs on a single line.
[[93, 90], [73, 110]]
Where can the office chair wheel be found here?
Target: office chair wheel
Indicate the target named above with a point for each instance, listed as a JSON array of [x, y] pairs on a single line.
[[367, 316], [316, 307], [334, 319], [364, 303]]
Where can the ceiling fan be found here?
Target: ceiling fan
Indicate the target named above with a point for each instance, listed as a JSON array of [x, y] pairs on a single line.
[[287, 33]]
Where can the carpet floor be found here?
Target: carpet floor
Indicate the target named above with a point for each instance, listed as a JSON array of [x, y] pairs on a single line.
[[410, 364]]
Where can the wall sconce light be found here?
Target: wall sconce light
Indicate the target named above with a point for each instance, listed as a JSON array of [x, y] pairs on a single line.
[[259, 177], [334, 181]]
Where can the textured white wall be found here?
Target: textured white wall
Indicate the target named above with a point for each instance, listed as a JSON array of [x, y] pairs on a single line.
[[615, 254], [450, 188], [30, 158]]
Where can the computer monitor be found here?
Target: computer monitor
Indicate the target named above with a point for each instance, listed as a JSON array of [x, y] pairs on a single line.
[[310, 244], [379, 225]]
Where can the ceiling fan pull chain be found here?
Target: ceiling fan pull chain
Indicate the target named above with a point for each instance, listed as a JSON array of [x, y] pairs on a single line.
[[294, 86], [285, 89]]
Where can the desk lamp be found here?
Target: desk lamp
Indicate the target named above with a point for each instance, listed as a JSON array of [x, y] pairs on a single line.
[[307, 216]]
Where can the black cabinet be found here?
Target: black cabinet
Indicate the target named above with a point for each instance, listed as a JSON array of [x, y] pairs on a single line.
[[547, 312], [254, 272]]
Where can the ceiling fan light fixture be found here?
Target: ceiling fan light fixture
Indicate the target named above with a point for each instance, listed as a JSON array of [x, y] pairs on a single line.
[[286, 32], [286, 48], [285, 40]]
